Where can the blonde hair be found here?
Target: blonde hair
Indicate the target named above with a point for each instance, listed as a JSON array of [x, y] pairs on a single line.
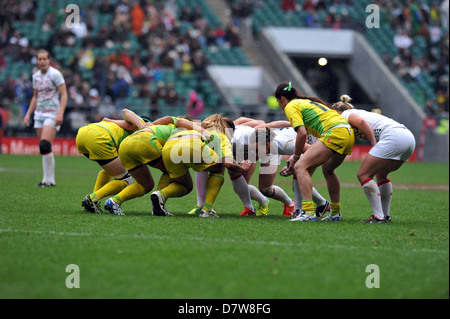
[[343, 104], [220, 123]]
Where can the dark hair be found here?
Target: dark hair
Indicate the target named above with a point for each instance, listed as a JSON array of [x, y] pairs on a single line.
[[146, 118], [290, 93], [230, 123], [267, 132]]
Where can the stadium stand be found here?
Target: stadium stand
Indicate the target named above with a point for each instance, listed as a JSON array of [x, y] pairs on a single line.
[[422, 66], [144, 55]]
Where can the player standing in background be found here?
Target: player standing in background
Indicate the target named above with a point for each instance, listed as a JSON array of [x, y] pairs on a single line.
[[336, 140], [48, 104], [393, 144]]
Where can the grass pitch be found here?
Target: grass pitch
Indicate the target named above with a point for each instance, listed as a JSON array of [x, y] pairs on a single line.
[[43, 230]]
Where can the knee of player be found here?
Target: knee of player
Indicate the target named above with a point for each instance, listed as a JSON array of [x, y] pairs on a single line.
[[267, 191], [188, 188], [327, 171], [45, 147], [362, 176], [148, 187]]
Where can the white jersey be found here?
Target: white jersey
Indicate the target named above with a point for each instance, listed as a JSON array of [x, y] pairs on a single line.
[[46, 85], [394, 140], [377, 122], [285, 140], [283, 143], [241, 135]]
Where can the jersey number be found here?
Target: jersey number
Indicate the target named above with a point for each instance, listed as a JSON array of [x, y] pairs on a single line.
[[322, 107]]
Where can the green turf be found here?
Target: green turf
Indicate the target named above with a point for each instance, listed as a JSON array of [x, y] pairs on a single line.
[[42, 230]]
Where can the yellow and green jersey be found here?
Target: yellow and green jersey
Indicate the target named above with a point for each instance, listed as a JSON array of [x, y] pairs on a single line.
[[162, 132], [220, 143], [117, 133], [316, 117]]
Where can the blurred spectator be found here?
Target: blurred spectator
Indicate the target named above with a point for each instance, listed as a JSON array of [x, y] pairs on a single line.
[[137, 19], [311, 19], [444, 13], [160, 93], [309, 5], [442, 102], [77, 118], [105, 7], [86, 58], [414, 70], [435, 33], [288, 5], [80, 29], [430, 108], [172, 96], [106, 109], [94, 98], [2, 61], [121, 89], [199, 62], [5, 34], [402, 40], [121, 19], [232, 36], [194, 106], [186, 68], [144, 91], [138, 71], [90, 17]]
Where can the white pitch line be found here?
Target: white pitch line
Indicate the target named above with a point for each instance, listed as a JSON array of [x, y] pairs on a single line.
[[228, 240]]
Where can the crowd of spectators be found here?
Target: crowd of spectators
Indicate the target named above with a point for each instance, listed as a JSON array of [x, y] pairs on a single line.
[[110, 59], [106, 64], [411, 22]]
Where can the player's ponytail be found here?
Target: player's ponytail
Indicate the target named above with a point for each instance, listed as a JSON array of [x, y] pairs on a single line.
[[290, 93], [343, 104]]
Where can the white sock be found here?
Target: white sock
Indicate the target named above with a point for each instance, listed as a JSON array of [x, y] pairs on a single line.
[[256, 195], [48, 167], [280, 194], [200, 186], [240, 187], [385, 188], [373, 195], [317, 198], [297, 195]]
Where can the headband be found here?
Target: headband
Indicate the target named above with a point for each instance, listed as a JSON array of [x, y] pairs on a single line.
[[288, 88]]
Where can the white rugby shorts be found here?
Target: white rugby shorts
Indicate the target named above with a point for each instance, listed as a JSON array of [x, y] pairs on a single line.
[[45, 118], [395, 144]]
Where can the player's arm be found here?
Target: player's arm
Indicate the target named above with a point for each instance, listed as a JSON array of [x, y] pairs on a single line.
[[277, 124], [242, 120], [165, 120], [188, 125], [231, 164], [31, 108], [133, 119], [300, 142], [249, 122], [359, 122], [62, 104], [122, 123]]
